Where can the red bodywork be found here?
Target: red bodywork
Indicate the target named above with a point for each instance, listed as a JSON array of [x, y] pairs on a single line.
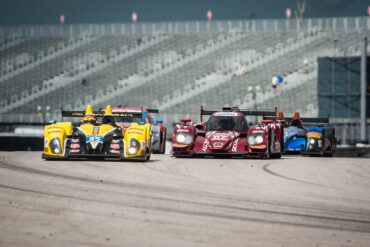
[[198, 141]]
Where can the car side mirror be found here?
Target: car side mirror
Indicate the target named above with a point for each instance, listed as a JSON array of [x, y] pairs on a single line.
[[53, 121], [199, 127], [159, 121], [243, 134], [200, 132]]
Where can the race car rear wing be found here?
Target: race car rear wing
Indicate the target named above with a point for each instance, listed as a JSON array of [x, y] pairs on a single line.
[[98, 114], [153, 110], [323, 120], [204, 112]]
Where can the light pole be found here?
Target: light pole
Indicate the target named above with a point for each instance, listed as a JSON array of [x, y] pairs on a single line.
[[134, 18], [44, 113], [288, 14], [209, 18], [62, 20]]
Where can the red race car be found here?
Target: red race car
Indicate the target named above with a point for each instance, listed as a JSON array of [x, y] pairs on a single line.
[[228, 133]]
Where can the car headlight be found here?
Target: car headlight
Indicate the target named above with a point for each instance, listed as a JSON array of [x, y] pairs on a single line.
[[312, 141], [255, 139], [251, 140], [184, 138], [55, 145], [259, 139], [134, 146]]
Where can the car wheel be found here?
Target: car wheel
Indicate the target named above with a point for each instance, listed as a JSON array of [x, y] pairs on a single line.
[[277, 156], [268, 151], [164, 148], [328, 155]]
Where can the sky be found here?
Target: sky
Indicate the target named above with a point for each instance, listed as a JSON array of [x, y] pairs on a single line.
[[30, 12]]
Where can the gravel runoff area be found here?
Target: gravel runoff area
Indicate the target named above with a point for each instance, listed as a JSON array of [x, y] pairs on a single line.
[[293, 201]]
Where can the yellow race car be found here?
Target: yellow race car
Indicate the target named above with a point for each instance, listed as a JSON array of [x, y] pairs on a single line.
[[97, 137]]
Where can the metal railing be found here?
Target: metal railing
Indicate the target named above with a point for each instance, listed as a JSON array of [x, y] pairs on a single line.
[[272, 25]]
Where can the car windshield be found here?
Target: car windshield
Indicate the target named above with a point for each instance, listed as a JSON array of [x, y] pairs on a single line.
[[233, 123]]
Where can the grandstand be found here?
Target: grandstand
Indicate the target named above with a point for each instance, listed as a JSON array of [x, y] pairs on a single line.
[[173, 66]]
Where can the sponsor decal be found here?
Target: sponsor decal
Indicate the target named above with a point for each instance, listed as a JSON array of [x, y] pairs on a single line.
[[226, 114], [139, 129], [182, 130], [95, 130], [217, 145], [94, 139], [260, 127], [75, 145], [219, 137], [134, 132], [127, 111], [319, 143], [114, 146], [210, 133], [55, 131], [235, 146], [258, 131], [277, 145], [205, 145]]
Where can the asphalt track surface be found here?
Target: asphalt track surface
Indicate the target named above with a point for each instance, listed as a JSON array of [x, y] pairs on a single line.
[[293, 201]]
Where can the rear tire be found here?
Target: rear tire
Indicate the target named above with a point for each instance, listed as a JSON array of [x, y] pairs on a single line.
[[277, 156], [268, 151], [164, 144], [328, 155]]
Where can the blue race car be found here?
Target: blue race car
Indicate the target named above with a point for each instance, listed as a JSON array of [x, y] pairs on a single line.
[[311, 136]]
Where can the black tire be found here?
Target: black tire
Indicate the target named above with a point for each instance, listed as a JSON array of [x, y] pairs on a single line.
[[328, 155], [277, 156], [164, 144], [282, 141], [148, 154], [268, 151]]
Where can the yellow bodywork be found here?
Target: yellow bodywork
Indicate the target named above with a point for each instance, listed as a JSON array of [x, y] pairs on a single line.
[[59, 131], [96, 131], [140, 132], [63, 130], [314, 134]]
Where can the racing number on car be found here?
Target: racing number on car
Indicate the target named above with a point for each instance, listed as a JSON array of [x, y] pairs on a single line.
[[219, 137], [235, 145], [205, 145], [94, 139]]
